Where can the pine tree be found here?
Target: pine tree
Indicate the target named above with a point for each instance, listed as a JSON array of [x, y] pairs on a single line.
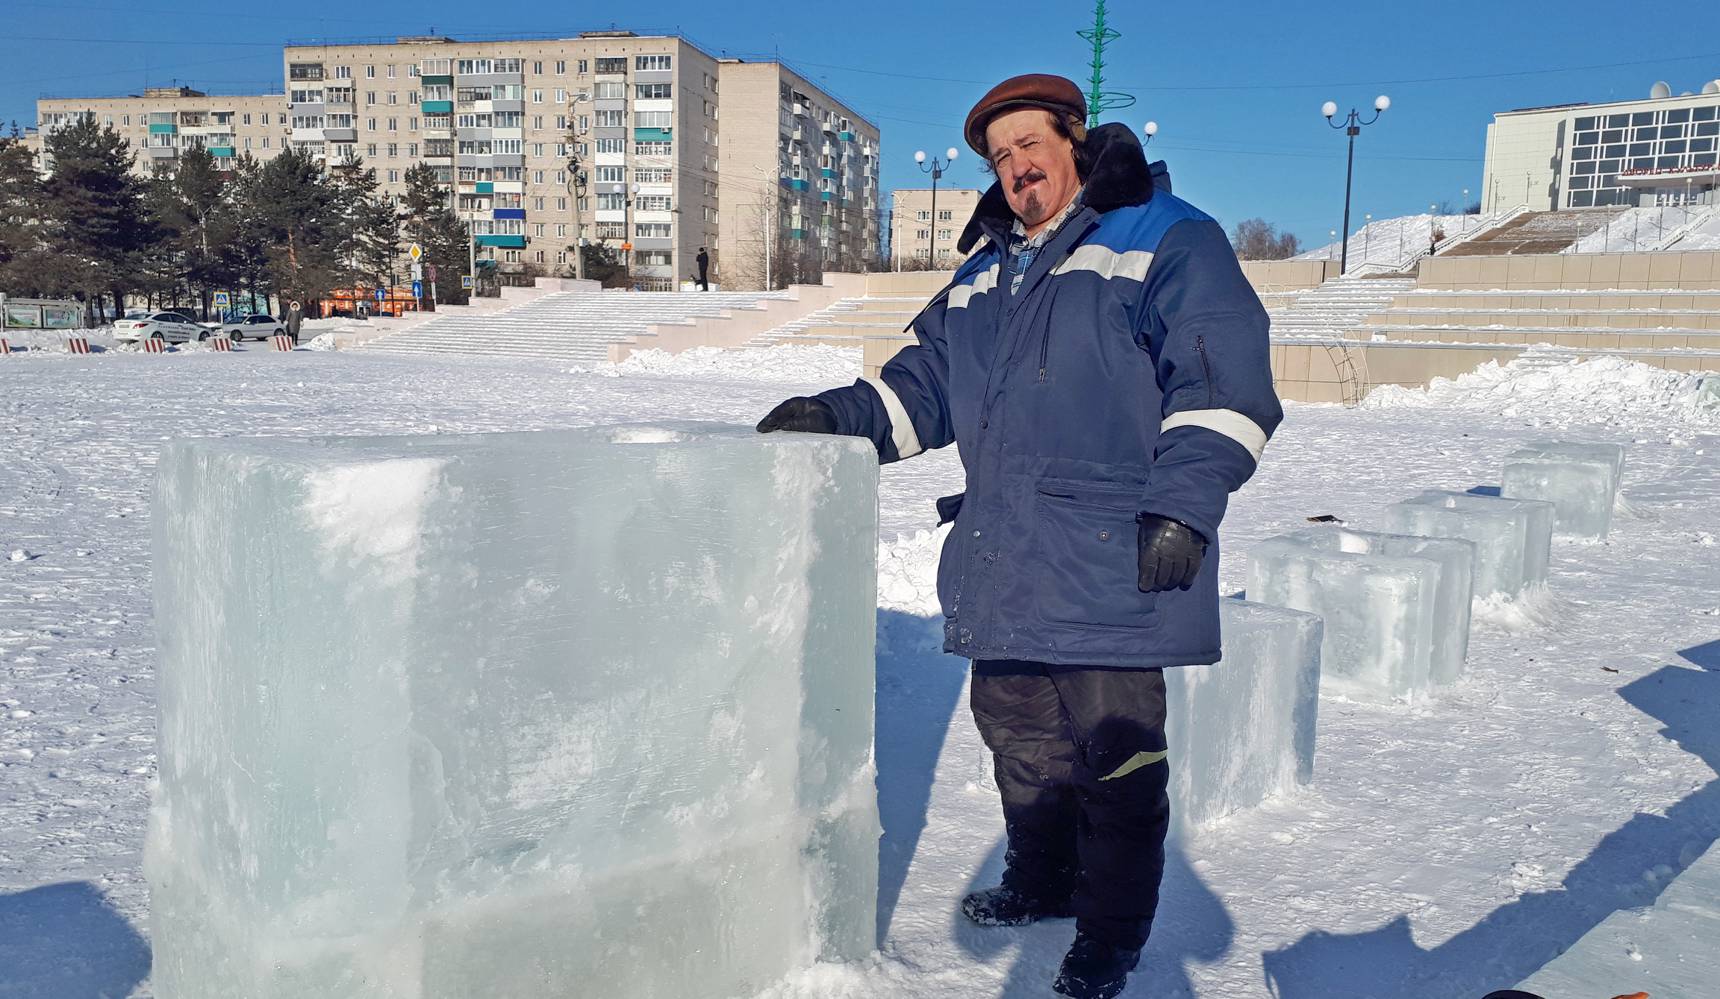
[[429, 222], [96, 226], [20, 211], [296, 213]]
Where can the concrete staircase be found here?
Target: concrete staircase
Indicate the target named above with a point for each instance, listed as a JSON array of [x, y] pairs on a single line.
[[1338, 305], [1535, 232], [583, 327], [846, 322]]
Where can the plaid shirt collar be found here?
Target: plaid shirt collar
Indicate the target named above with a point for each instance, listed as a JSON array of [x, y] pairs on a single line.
[[1024, 249]]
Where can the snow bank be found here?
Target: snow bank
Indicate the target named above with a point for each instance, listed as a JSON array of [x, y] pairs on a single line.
[[1605, 390], [54, 341], [781, 363], [1639, 230], [908, 572]]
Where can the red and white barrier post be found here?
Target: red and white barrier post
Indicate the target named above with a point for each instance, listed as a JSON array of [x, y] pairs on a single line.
[[78, 344], [221, 344], [5, 348], [154, 345], [282, 341]]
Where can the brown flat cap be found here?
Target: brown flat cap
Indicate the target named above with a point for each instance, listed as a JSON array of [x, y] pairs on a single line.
[[1038, 90]]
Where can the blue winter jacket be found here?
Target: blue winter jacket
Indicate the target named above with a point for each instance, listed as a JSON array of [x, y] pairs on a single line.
[[1129, 374]]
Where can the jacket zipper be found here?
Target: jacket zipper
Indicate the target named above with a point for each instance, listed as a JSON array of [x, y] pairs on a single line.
[[1044, 351], [1200, 348]]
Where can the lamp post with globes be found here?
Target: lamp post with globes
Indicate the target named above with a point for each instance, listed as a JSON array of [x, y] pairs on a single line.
[[1149, 130], [1352, 127], [936, 169]]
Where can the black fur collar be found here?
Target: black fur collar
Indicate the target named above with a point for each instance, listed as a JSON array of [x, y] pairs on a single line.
[[1119, 176]]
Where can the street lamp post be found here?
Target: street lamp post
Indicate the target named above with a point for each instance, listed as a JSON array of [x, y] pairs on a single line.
[[576, 181], [1464, 208], [1352, 127], [1149, 130], [1367, 222], [1432, 227], [936, 169], [1333, 234]]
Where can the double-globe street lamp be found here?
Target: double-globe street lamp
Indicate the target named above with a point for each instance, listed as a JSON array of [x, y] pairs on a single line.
[[936, 169], [1352, 127]]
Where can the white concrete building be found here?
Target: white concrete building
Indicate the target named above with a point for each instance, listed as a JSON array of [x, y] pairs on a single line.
[[1661, 150]]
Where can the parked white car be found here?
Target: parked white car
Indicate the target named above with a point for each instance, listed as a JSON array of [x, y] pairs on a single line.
[[169, 326], [253, 328]]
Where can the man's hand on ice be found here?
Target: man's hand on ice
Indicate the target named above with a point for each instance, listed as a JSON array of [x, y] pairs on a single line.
[[1171, 554], [807, 415]]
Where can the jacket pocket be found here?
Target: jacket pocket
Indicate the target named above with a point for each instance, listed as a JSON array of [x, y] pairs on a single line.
[[1089, 565], [949, 507]]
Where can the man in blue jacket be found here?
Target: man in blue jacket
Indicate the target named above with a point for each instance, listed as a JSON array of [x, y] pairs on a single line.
[[1102, 364]]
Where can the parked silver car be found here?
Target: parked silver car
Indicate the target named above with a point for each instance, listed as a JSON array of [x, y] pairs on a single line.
[[253, 327]]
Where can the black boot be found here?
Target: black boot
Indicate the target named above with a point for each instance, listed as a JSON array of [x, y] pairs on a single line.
[[1006, 906], [1094, 969]]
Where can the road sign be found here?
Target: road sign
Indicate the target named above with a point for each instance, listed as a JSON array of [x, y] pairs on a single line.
[[222, 300], [466, 281], [430, 269], [381, 293], [415, 252], [417, 289], [626, 247], [417, 272]]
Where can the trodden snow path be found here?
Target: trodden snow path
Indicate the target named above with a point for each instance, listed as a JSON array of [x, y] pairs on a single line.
[[1445, 848]]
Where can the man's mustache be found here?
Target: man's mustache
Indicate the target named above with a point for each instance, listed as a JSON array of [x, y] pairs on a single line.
[[1030, 178]]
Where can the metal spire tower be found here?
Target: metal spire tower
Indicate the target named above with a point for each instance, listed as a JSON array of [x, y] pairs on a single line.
[[1098, 98]]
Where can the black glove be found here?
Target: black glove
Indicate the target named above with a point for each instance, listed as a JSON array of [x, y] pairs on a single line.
[[1171, 553], [807, 415]]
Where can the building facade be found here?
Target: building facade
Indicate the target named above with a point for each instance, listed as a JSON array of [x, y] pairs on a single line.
[[1662, 150], [505, 122], [163, 122], [798, 192], [918, 229]]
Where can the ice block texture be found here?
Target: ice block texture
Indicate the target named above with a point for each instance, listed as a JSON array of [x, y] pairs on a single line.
[[1513, 537], [1658, 949], [567, 713], [1580, 480], [1380, 610], [1242, 730]]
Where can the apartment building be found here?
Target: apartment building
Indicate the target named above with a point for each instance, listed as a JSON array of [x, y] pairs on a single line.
[[915, 234], [799, 179], [502, 121], [163, 122]]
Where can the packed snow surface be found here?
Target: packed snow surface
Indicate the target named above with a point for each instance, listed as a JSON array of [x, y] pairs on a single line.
[[1443, 848]]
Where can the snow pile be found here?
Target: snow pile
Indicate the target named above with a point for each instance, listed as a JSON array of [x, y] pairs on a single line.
[[54, 341], [781, 363], [322, 341], [1605, 390], [1643, 229], [908, 572]]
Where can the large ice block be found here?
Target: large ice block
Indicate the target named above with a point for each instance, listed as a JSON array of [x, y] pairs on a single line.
[[1513, 537], [1380, 610], [1242, 730], [568, 713], [1452, 597], [1657, 948], [1580, 480]]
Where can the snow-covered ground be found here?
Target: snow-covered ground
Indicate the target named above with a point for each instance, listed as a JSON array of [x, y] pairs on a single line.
[[1444, 848], [1646, 229]]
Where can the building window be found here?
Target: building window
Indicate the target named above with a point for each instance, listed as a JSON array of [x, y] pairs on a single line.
[[612, 64], [582, 67], [651, 149], [609, 91], [652, 202], [537, 67], [412, 150], [370, 72], [650, 62], [561, 97], [652, 91], [611, 145], [537, 97], [561, 67], [653, 119], [945, 216], [611, 119], [610, 202], [394, 124], [922, 216], [611, 174]]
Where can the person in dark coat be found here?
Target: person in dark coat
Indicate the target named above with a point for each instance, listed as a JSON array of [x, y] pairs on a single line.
[[1103, 363], [704, 270]]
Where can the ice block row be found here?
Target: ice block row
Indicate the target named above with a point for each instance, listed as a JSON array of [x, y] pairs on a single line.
[[566, 713], [1580, 480]]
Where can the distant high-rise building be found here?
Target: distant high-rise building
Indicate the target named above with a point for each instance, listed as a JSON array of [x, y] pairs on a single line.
[[915, 233]]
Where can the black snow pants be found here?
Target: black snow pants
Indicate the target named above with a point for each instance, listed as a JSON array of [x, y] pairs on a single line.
[[1080, 761]]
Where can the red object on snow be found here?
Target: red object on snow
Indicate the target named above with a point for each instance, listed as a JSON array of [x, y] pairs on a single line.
[[5, 348], [154, 345], [221, 344], [282, 342], [78, 344]]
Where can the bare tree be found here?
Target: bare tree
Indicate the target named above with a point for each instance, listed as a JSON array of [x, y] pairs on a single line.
[[1258, 239]]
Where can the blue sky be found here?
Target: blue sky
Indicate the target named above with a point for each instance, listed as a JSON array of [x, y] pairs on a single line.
[[1236, 87]]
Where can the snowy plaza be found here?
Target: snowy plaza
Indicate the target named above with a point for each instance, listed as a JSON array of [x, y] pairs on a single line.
[[1446, 845]]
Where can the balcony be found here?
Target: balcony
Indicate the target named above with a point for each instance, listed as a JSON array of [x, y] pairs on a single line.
[[437, 107]]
